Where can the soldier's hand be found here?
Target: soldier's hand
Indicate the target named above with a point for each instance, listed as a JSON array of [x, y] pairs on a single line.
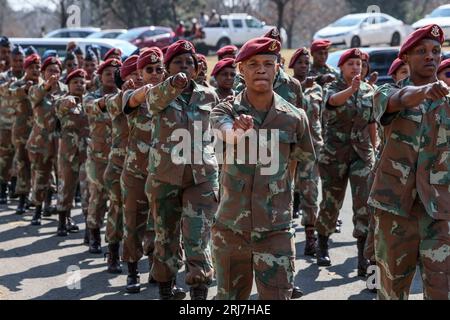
[[28, 85], [50, 83], [308, 83], [180, 80], [373, 78], [326, 78], [356, 83], [243, 122], [69, 103], [128, 85], [71, 46], [436, 90], [102, 103]]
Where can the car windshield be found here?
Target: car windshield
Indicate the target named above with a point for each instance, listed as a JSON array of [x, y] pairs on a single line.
[[346, 22], [440, 13], [127, 48], [130, 35]]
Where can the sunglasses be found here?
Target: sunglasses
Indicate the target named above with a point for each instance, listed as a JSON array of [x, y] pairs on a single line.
[[158, 70]]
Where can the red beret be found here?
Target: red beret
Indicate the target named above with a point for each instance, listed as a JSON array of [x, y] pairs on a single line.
[[151, 55], [129, 66], [222, 64], [365, 56], [227, 50], [431, 31], [297, 54], [320, 45], [258, 46], [178, 48], [49, 61], [113, 51], [202, 58], [444, 64], [109, 63], [79, 73], [395, 65], [164, 50], [350, 54], [32, 59], [274, 33]]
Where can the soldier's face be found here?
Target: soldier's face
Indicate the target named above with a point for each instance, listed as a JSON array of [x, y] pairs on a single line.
[[401, 73], [320, 57], [259, 72], [5, 55], [351, 68], [17, 63], [33, 72], [443, 76], [183, 63], [80, 60], [71, 65], [107, 77], [424, 59], [301, 66], [137, 79], [77, 87], [52, 70], [202, 71], [364, 69], [225, 78], [153, 73], [90, 67]]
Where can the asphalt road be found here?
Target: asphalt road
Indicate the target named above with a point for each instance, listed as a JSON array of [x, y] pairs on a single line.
[[36, 264]]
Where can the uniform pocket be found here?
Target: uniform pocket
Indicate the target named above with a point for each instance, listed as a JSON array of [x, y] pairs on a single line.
[[396, 169], [232, 183], [440, 173]]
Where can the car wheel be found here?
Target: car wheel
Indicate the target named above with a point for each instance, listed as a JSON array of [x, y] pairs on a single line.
[[223, 42], [395, 41], [356, 42]]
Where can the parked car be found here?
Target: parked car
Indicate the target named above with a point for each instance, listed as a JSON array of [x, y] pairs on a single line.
[[237, 29], [107, 34], [60, 44], [365, 29], [439, 16], [72, 32], [380, 60], [149, 36]]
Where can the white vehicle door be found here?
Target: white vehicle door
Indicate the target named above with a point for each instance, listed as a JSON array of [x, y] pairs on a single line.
[[238, 34], [386, 30], [367, 31], [254, 27]]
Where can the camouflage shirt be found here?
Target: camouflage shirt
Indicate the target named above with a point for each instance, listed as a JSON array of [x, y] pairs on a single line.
[[7, 109], [347, 127], [416, 157], [139, 123], [316, 72], [120, 129], [171, 111], [45, 120], [253, 200], [99, 145], [313, 100], [289, 89]]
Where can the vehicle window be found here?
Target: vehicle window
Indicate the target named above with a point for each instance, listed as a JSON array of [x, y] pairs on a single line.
[[148, 33], [253, 23], [383, 19], [130, 35], [63, 34], [381, 61], [41, 48], [440, 13], [224, 24], [237, 23], [346, 22]]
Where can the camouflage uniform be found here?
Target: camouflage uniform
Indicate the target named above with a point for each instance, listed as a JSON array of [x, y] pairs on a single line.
[[132, 181], [184, 196], [411, 197], [72, 154], [253, 228], [347, 154], [316, 72], [97, 158], [120, 132], [7, 112], [42, 145], [21, 130], [307, 181]]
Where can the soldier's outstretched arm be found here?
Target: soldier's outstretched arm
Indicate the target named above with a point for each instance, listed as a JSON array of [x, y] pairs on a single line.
[[161, 95]]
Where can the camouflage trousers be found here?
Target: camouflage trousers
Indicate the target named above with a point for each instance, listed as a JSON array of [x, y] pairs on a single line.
[[335, 176], [23, 167], [70, 173], [401, 243], [183, 212], [98, 194], [41, 166], [6, 155], [114, 221], [135, 216], [307, 186], [270, 255], [369, 248]]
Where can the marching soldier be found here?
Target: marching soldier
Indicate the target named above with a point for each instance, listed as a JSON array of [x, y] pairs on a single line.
[[70, 64], [229, 51], [411, 189], [225, 73], [114, 53], [90, 65], [320, 69], [399, 70], [5, 54]]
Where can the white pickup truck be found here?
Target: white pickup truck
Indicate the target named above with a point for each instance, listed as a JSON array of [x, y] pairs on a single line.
[[236, 28]]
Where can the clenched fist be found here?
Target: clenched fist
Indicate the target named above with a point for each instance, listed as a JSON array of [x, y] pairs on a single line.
[[180, 80]]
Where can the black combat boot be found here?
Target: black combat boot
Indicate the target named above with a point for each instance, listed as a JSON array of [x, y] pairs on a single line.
[[29, 204], [323, 258], [310, 243], [199, 292], [113, 262], [150, 265], [71, 225], [21, 206], [168, 291], [95, 245], [62, 227], [296, 207], [12, 189], [86, 230], [36, 221], [78, 195], [363, 263], [3, 196], [49, 210], [133, 279], [297, 293]]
